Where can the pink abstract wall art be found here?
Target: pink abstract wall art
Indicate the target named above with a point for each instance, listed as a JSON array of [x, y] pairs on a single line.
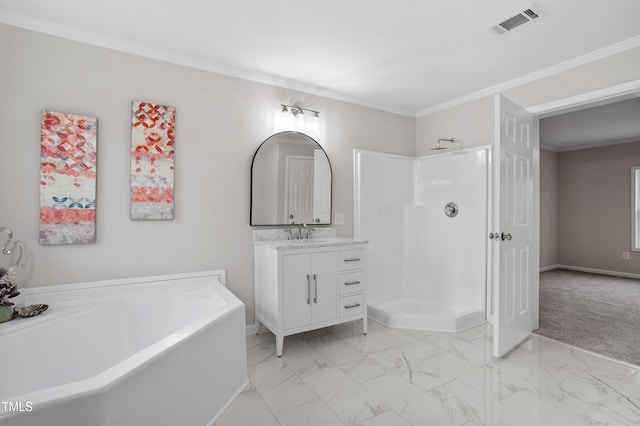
[[152, 161], [67, 178]]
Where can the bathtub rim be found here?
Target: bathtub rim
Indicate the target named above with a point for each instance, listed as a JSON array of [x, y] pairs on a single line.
[[219, 273], [122, 370], [77, 292]]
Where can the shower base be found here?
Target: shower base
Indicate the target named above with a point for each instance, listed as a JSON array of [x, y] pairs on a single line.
[[423, 315]]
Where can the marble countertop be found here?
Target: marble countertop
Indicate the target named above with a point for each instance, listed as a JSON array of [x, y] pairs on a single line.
[[309, 243]]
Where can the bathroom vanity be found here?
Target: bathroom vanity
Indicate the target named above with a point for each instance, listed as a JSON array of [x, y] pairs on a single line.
[[305, 284], [301, 283]]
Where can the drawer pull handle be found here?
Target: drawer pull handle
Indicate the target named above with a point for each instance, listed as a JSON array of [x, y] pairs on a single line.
[[308, 290], [356, 259], [352, 283], [355, 305]]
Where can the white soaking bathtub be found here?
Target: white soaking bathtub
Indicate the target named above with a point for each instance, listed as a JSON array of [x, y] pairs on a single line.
[[167, 350]]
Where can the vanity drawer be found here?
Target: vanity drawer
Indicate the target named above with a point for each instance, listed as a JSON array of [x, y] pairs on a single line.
[[351, 282], [350, 259], [349, 306]]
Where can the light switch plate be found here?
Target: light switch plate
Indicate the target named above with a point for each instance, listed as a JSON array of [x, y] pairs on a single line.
[[339, 219]]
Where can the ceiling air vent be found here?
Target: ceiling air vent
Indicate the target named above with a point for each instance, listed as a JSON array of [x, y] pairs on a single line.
[[516, 20]]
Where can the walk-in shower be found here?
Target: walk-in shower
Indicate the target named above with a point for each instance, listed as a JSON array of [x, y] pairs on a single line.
[[426, 222]]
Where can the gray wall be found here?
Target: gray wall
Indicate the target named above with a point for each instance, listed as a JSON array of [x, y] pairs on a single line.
[[548, 208], [594, 207], [220, 122], [585, 208]]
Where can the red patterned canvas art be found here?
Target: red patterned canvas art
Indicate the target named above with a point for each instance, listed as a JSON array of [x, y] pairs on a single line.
[[67, 178], [152, 161]]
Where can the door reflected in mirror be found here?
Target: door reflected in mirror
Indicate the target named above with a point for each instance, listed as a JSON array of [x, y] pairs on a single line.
[[290, 181]]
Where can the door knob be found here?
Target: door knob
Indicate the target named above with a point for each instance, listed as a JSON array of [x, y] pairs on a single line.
[[505, 237], [492, 236]]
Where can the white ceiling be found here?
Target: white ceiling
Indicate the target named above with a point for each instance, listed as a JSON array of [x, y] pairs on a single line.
[[403, 56], [609, 124]]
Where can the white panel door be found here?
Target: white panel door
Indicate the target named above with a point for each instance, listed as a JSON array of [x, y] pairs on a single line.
[[324, 268], [299, 190], [321, 187], [513, 226]]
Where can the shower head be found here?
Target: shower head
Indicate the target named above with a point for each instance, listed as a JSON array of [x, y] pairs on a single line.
[[442, 147]]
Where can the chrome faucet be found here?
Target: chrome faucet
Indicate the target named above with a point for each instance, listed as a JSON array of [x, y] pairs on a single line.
[[302, 226], [310, 232], [291, 230]]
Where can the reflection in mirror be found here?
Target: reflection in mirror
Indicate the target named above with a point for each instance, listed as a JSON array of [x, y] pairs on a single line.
[[635, 208], [290, 181]]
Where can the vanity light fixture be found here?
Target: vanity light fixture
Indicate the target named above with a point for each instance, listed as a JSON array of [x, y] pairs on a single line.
[[298, 112], [294, 117]]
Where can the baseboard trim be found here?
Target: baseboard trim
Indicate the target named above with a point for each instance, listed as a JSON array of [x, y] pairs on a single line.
[[549, 268], [592, 271], [251, 329], [608, 358]]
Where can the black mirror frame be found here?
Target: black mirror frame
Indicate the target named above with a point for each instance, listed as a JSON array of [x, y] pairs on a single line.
[[251, 190]]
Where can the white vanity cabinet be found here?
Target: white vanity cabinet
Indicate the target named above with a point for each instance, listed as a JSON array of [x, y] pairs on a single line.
[[302, 286], [309, 288]]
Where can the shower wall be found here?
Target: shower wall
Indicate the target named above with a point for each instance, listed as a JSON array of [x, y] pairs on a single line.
[[386, 187], [415, 251]]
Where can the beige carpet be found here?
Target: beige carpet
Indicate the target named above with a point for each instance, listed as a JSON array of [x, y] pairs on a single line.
[[594, 312]]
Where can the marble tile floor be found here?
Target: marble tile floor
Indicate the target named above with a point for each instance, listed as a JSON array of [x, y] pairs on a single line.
[[392, 377]]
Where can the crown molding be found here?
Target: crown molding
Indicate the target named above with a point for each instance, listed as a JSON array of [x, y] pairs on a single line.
[[617, 93], [528, 78], [549, 147], [198, 63], [633, 139], [86, 37]]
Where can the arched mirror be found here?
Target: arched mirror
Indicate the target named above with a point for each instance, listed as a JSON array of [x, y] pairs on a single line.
[[290, 181]]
